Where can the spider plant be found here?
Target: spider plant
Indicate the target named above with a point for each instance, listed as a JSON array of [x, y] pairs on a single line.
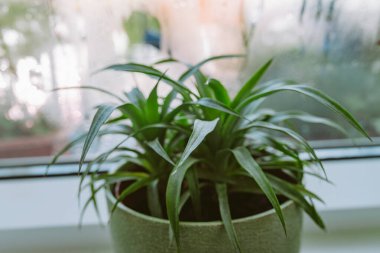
[[210, 138], [152, 122]]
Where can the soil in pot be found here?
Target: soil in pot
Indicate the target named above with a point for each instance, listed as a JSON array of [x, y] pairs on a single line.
[[241, 204]]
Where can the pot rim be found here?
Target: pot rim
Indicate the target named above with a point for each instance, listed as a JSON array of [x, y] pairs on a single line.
[[125, 208]]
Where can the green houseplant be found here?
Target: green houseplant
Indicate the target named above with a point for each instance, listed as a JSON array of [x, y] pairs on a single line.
[[204, 163]]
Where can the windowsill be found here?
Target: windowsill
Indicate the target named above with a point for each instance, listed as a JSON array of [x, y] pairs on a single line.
[[42, 214], [96, 239], [35, 167]]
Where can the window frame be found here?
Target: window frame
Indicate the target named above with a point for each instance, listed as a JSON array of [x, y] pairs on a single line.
[[35, 167]]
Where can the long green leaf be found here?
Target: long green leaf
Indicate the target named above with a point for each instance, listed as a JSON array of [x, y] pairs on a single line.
[[334, 105], [201, 84], [220, 92], [131, 189], [167, 60], [246, 161], [167, 102], [196, 67], [172, 114], [224, 209], [200, 131], [173, 190], [280, 86], [210, 103], [195, 193], [117, 119], [71, 144], [250, 84], [120, 176], [290, 133], [134, 113], [91, 88], [186, 196], [101, 116], [154, 202], [306, 117], [296, 187], [157, 147], [151, 108], [136, 97], [139, 68], [173, 193], [92, 198], [296, 196]]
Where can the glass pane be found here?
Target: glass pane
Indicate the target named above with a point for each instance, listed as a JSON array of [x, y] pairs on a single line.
[[48, 44], [332, 45]]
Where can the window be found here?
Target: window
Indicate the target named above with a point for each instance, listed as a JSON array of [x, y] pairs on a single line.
[[46, 45], [334, 45], [49, 44]]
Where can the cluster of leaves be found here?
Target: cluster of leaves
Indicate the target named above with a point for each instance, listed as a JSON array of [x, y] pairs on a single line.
[[202, 136]]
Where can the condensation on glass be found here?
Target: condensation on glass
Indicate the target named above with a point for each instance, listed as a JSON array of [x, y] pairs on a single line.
[[44, 45], [331, 44]]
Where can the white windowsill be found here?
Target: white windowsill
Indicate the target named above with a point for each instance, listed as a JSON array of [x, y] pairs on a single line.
[[38, 215]]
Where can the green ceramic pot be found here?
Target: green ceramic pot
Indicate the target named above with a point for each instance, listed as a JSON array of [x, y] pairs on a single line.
[[133, 232]]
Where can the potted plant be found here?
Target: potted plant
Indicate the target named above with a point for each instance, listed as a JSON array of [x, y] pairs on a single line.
[[208, 173]]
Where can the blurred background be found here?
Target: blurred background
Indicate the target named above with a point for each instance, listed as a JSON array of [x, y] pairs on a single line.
[[49, 44], [333, 45]]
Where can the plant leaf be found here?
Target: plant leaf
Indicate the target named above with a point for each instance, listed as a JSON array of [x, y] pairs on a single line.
[[196, 67], [195, 193], [92, 198], [101, 116], [250, 84], [220, 92], [297, 197], [200, 84], [65, 149], [305, 90], [246, 161], [117, 119], [139, 68], [333, 105], [224, 209], [91, 88], [136, 97], [167, 102], [151, 111], [133, 113], [282, 116], [120, 176], [209, 103], [157, 147], [173, 193], [131, 189], [200, 131], [167, 60], [292, 134], [153, 196], [173, 190]]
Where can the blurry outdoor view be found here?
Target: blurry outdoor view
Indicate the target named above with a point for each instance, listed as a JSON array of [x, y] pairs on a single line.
[[334, 45], [49, 44]]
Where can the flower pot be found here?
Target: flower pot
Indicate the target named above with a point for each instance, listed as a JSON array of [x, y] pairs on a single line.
[[133, 232]]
